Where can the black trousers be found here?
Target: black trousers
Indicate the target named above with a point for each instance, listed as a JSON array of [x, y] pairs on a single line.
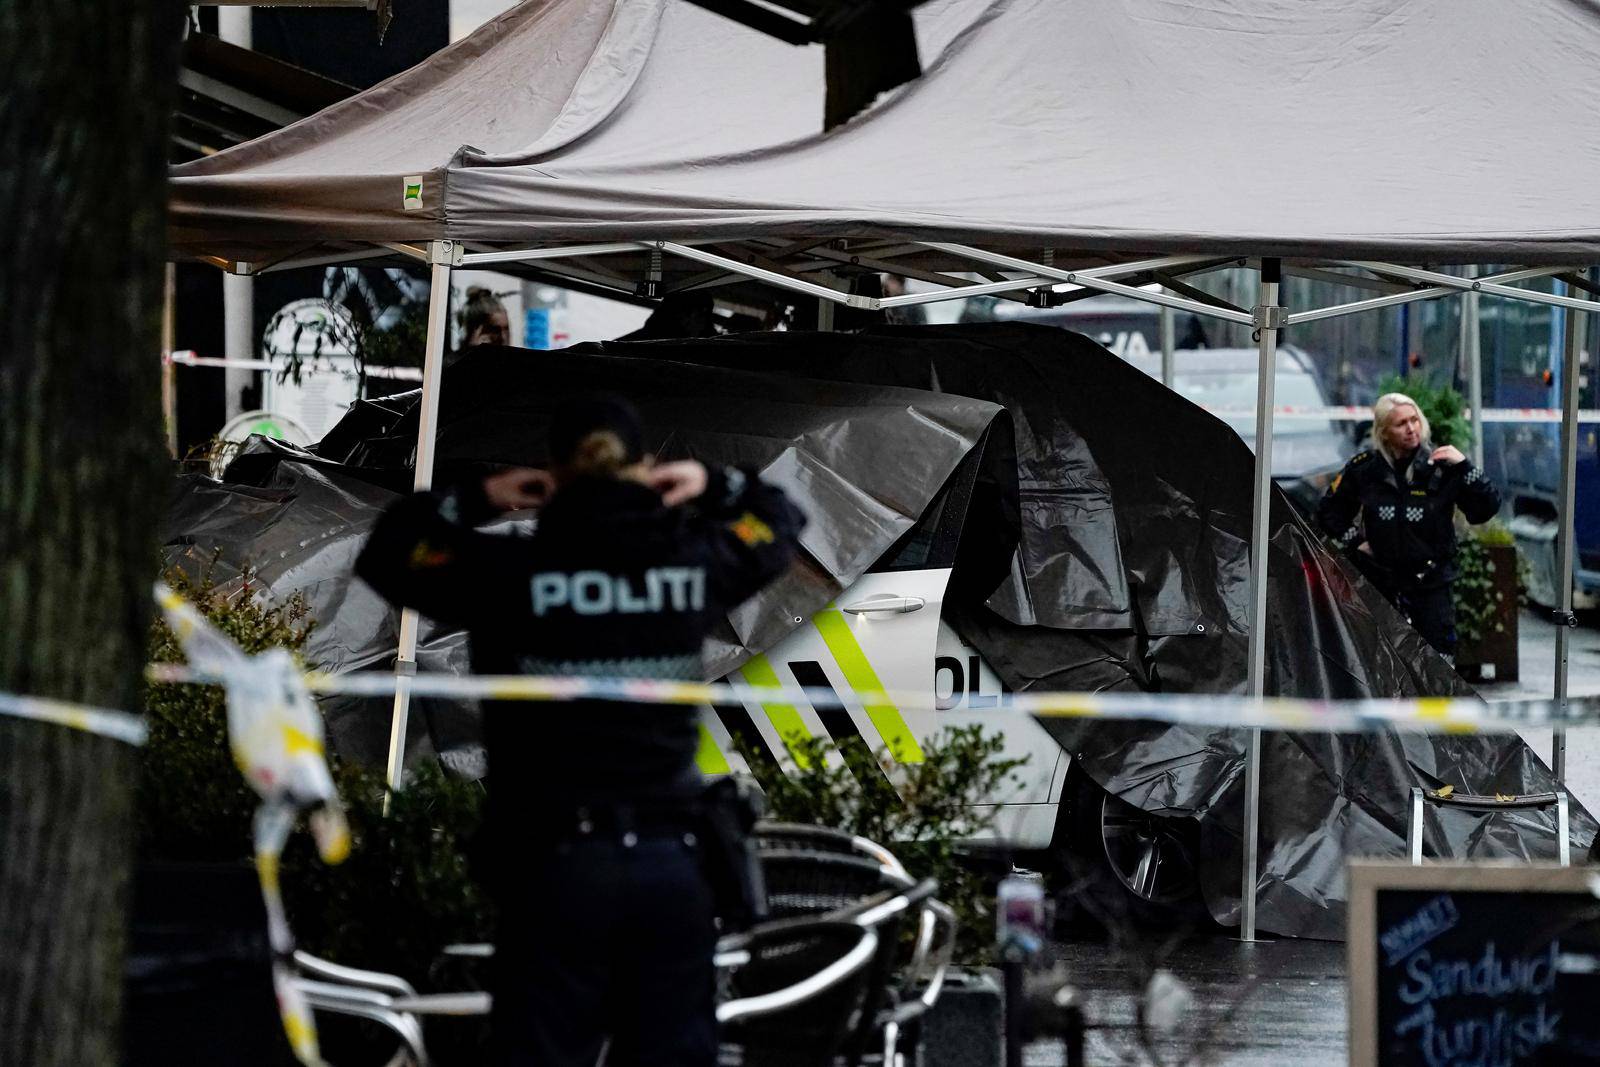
[[606, 936], [1433, 613]]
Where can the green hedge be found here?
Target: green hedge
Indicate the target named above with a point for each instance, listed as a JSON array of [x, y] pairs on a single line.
[[923, 821], [406, 889]]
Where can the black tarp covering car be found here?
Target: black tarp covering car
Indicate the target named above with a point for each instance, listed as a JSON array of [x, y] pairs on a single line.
[[1109, 552], [298, 519], [1132, 574]]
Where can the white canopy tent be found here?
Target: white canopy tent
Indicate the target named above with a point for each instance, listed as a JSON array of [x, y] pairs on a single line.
[[1055, 148]]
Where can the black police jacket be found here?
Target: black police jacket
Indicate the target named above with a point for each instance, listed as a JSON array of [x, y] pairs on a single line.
[[612, 584], [1407, 521]]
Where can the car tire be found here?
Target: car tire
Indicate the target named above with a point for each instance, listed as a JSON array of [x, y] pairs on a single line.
[[1122, 867]]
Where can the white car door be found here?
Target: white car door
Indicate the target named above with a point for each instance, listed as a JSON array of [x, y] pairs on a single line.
[[878, 638], [885, 635]]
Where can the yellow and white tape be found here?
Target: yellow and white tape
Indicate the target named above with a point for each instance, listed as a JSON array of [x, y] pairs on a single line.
[[118, 725], [1424, 714]]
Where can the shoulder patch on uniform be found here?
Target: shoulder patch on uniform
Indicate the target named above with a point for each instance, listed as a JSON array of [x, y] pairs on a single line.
[[751, 530], [425, 557], [1362, 456]]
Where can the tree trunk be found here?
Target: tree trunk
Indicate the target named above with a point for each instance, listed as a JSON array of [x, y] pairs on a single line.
[[83, 130]]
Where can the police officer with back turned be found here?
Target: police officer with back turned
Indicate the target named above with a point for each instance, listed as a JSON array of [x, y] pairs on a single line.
[[597, 817], [1394, 507]]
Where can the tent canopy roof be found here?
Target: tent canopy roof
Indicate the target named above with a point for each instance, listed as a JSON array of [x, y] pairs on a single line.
[[1416, 131]]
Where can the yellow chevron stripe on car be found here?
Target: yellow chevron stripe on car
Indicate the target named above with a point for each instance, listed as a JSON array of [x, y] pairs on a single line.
[[860, 676], [758, 672], [708, 757]]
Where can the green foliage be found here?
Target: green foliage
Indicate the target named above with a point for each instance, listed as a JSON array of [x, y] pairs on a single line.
[[407, 889], [1443, 407], [193, 804], [1478, 604], [1494, 533], [924, 821], [404, 892]]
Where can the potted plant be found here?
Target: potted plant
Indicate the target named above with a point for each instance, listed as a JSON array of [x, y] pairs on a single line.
[[1488, 596]]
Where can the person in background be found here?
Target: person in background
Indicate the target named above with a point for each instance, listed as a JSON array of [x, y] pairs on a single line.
[[679, 315], [1393, 509], [912, 315], [483, 319], [605, 841]]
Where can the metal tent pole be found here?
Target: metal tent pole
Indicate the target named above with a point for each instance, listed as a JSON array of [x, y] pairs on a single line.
[[443, 255], [1168, 342], [238, 290], [1472, 367], [239, 341], [1269, 319], [1572, 359], [169, 384]]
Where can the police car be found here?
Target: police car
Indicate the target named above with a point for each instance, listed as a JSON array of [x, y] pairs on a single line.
[[886, 634]]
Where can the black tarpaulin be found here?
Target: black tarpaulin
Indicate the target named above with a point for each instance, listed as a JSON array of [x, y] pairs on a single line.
[[299, 518], [1129, 568], [299, 530], [1132, 573]]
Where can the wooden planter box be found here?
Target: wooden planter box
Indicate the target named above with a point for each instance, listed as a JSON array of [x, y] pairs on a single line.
[[1494, 657]]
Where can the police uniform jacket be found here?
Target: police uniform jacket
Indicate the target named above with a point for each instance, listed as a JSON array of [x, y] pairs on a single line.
[[1406, 516], [611, 584]]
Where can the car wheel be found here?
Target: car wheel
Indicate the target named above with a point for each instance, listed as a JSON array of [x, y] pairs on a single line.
[[1125, 864]]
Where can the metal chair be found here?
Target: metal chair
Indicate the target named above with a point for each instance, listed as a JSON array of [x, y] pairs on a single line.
[[792, 991], [386, 999], [370, 995], [775, 980], [1483, 804], [809, 882], [800, 837], [836, 876]]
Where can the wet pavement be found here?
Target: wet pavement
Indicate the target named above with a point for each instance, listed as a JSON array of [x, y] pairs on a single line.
[[1283, 1003], [1536, 678], [1262, 1005]]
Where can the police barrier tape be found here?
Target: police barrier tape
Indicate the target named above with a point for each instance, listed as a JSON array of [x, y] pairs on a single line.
[[118, 725], [1425, 714], [1364, 414], [275, 733]]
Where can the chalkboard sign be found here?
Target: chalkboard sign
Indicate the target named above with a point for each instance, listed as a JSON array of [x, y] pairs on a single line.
[[1454, 965]]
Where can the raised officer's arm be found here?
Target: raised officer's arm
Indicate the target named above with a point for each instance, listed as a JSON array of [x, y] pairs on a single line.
[[1477, 496], [752, 531], [425, 554]]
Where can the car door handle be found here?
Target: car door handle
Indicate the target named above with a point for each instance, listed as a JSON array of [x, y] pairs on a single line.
[[897, 605]]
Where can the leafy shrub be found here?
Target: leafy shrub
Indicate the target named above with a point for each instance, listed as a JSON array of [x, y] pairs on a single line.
[[406, 889], [193, 804], [924, 821], [1478, 604]]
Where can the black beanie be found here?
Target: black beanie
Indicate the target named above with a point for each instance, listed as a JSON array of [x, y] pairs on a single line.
[[575, 421]]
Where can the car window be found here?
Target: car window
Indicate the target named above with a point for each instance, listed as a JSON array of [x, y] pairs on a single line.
[[1292, 389], [1127, 330], [933, 541]]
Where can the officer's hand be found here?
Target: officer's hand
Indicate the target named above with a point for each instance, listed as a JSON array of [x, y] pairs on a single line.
[[518, 488], [1449, 455], [1364, 547], [678, 483]]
